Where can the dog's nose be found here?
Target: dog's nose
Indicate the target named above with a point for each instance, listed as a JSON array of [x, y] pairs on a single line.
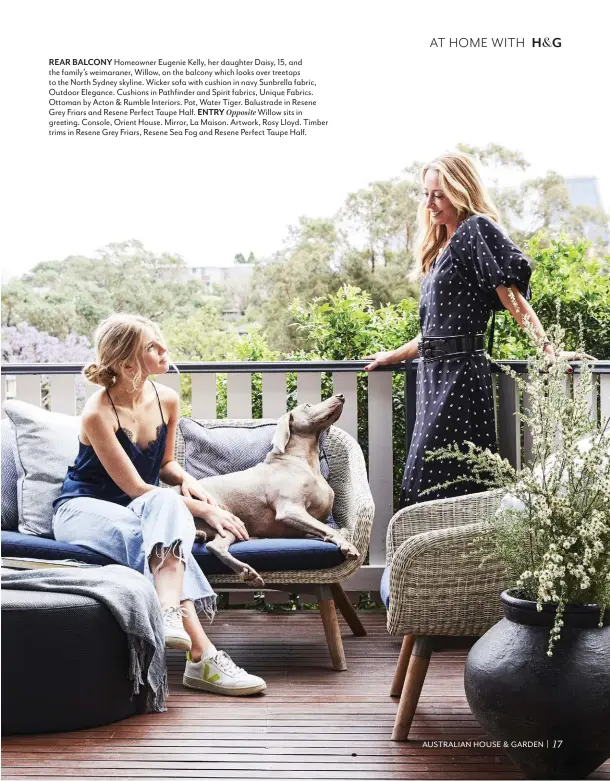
[[340, 396]]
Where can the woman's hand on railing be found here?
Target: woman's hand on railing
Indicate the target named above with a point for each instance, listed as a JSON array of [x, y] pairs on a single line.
[[379, 359], [569, 355], [577, 356], [402, 353]]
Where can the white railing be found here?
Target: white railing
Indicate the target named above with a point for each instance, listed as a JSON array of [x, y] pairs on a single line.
[[65, 391]]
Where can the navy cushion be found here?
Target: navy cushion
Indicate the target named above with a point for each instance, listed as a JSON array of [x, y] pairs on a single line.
[[30, 546], [264, 555], [267, 555], [384, 588]]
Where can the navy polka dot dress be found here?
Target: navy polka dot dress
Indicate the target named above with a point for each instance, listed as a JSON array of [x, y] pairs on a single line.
[[454, 400]]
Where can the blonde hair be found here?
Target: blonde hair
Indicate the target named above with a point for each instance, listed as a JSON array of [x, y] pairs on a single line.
[[460, 181], [118, 340]]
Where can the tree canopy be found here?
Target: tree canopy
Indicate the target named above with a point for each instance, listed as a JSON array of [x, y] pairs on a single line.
[[367, 244], [75, 294]]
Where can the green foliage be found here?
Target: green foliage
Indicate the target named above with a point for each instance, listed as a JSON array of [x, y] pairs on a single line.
[[346, 326], [251, 347], [386, 283], [381, 213], [201, 337], [75, 294], [570, 274], [303, 269]]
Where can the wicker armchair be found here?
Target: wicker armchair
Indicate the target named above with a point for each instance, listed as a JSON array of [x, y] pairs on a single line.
[[434, 584], [353, 511]]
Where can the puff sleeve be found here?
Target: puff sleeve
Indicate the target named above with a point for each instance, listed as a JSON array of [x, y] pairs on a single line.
[[492, 259]]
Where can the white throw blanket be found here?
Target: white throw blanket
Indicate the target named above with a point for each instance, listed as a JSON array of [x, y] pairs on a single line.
[[131, 599]]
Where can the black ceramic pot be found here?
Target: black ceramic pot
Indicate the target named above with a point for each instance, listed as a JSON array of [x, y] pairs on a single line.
[[551, 713]]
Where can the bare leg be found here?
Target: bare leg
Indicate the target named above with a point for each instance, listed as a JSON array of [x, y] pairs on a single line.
[[168, 576], [192, 625], [168, 583]]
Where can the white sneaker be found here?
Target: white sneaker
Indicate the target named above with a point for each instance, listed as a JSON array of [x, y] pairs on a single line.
[[175, 633], [220, 674]]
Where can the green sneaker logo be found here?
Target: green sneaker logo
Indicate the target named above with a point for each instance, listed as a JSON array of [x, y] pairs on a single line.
[[207, 677]]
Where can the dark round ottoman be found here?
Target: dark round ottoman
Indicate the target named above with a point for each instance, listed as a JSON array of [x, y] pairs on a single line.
[[65, 663]]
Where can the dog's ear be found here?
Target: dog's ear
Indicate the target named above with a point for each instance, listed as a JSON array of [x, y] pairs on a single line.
[[282, 434]]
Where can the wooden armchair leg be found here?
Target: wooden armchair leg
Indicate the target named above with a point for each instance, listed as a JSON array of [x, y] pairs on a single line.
[[347, 610], [401, 667], [416, 675], [332, 630]]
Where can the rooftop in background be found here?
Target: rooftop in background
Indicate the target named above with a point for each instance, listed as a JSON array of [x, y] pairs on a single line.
[[584, 191], [237, 275]]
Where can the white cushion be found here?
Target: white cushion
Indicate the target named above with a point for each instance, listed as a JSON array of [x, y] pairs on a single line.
[[46, 445], [510, 502]]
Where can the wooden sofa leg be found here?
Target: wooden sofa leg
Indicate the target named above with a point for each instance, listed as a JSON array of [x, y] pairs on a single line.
[[416, 675], [332, 631], [347, 610], [401, 667]]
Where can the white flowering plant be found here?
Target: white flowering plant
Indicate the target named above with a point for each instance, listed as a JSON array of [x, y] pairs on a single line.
[[552, 531]]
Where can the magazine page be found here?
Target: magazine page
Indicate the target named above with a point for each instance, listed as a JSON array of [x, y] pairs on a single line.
[[306, 390]]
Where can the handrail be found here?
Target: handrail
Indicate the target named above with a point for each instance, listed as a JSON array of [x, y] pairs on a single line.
[[215, 367], [212, 367]]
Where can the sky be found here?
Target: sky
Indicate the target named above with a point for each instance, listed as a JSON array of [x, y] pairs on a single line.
[[389, 97]]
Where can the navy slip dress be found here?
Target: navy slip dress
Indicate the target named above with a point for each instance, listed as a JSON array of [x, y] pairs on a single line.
[[87, 476]]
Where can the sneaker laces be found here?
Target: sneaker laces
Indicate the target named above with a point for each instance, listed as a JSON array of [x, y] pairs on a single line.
[[173, 615], [226, 664]]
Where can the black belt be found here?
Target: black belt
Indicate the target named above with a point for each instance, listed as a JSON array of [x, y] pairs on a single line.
[[431, 347]]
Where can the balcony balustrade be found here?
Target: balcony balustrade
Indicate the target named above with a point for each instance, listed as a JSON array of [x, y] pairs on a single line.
[[370, 413]]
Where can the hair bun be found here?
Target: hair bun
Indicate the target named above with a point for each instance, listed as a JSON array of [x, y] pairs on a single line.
[[99, 374]]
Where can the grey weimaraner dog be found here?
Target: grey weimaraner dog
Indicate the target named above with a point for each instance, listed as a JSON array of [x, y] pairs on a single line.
[[285, 495]]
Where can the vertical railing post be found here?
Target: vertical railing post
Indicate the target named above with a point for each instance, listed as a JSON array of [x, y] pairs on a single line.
[[381, 472], [410, 394]]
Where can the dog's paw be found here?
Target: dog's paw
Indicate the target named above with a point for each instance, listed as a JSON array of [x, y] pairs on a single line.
[[249, 575], [348, 550], [201, 536]]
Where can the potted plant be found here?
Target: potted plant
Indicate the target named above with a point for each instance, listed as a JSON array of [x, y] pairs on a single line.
[[539, 680]]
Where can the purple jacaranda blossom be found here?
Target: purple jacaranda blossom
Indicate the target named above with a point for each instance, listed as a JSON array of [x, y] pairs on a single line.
[[22, 343]]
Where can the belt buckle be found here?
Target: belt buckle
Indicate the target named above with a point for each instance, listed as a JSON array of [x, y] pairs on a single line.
[[430, 353]]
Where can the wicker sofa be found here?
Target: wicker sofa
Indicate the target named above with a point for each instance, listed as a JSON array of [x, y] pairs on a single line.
[[293, 565], [437, 583]]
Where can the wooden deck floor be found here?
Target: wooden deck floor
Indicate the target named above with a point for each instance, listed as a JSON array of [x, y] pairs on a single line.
[[312, 723]]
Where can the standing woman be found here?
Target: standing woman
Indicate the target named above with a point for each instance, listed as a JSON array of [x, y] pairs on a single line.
[[468, 265], [111, 501]]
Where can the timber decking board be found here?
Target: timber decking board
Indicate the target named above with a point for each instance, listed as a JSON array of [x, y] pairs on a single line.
[[312, 722]]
